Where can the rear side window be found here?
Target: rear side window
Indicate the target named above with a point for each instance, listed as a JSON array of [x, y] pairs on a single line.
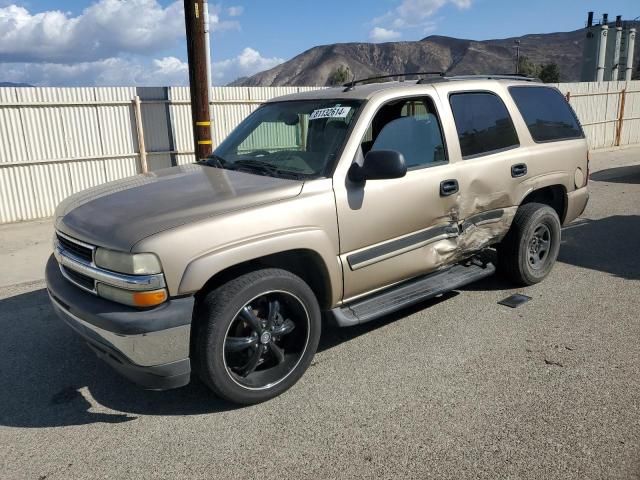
[[483, 123], [546, 113]]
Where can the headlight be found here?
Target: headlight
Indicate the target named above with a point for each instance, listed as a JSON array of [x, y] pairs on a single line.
[[134, 299], [131, 263]]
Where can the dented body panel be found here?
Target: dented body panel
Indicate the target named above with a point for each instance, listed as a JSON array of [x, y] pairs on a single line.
[[399, 229]]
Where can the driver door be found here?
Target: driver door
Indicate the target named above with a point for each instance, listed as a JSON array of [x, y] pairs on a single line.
[[395, 229]]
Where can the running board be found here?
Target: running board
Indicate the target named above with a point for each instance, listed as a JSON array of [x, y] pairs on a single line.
[[409, 293]]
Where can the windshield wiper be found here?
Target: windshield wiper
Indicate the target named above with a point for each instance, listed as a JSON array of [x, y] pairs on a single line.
[[266, 168], [214, 160]]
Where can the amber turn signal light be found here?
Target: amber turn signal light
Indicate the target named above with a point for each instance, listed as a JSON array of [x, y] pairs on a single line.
[[132, 298], [149, 299]]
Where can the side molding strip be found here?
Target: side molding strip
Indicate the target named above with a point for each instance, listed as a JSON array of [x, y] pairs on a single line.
[[396, 247], [482, 218]]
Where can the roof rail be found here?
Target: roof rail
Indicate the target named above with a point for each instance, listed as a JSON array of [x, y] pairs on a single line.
[[441, 76], [500, 76], [351, 85]]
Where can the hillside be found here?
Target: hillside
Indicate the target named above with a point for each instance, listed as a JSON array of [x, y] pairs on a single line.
[[12, 84], [434, 53]]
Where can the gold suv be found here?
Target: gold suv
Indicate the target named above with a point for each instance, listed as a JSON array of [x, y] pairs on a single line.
[[342, 204]]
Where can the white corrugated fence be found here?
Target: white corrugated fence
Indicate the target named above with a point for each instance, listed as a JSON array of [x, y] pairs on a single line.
[[608, 111], [58, 141]]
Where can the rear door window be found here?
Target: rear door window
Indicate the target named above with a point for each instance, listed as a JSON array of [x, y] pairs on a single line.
[[483, 123], [546, 113]]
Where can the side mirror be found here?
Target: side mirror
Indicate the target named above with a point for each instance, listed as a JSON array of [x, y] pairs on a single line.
[[379, 165]]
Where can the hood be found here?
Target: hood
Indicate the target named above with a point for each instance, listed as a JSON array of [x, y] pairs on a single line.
[[119, 214]]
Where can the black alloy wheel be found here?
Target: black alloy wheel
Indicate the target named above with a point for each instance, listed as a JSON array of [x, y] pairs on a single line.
[[266, 340], [255, 335]]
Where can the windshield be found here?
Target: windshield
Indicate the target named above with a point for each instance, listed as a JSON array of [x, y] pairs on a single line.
[[298, 139]]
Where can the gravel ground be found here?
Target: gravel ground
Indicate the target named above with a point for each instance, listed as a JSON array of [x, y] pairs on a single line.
[[455, 388]]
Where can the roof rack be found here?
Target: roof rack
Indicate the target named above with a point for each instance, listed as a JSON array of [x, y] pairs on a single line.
[[351, 85], [442, 77], [500, 76]]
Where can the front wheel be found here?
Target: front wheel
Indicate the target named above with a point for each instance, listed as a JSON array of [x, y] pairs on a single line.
[[257, 335], [528, 252]]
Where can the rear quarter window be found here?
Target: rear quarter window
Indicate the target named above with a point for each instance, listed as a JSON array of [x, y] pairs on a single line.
[[483, 123], [546, 113]]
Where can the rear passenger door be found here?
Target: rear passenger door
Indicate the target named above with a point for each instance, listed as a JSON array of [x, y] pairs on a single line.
[[558, 147], [490, 161]]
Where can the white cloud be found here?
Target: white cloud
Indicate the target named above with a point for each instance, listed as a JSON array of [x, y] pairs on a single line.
[[166, 71], [133, 70], [217, 24], [379, 34], [111, 42], [105, 29], [235, 11], [416, 14], [249, 61], [172, 70], [102, 30]]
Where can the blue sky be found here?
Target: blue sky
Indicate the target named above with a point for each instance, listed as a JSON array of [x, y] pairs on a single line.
[[126, 42]]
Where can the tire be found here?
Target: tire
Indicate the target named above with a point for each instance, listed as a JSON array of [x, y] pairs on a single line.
[[256, 335], [518, 259]]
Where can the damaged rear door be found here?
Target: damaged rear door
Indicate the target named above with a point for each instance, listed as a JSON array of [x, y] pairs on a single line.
[[490, 163]]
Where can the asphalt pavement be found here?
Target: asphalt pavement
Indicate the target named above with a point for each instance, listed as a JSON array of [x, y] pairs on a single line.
[[460, 387]]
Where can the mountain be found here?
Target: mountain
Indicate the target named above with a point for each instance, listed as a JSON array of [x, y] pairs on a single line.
[[11, 84], [434, 53]]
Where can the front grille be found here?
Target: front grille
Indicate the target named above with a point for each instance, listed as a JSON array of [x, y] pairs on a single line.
[[80, 279], [76, 249]]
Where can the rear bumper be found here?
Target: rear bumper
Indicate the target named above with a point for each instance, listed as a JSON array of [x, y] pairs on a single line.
[[576, 204], [149, 347]]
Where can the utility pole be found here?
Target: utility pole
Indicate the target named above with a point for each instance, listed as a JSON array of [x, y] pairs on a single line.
[[194, 16], [207, 41], [517, 47]]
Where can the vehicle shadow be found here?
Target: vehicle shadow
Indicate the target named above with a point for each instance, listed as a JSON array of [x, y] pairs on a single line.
[[50, 378], [630, 174], [492, 283], [608, 245], [333, 335]]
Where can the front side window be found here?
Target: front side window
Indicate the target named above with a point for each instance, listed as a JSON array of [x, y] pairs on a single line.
[[483, 123], [411, 127], [299, 139], [546, 113]]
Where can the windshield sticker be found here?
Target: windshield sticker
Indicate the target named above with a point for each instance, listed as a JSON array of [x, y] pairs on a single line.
[[334, 112]]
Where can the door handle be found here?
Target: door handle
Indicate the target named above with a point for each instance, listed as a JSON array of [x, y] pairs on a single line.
[[448, 187], [518, 170]]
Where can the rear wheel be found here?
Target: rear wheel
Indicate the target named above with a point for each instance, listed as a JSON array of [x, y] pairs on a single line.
[[528, 252], [258, 334]]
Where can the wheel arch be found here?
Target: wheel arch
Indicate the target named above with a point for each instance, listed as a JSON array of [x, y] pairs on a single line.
[[301, 262], [554, 195], [307, 252], [305, 263]]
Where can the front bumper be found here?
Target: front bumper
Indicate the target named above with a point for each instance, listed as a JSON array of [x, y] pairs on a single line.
[[149, 347]]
